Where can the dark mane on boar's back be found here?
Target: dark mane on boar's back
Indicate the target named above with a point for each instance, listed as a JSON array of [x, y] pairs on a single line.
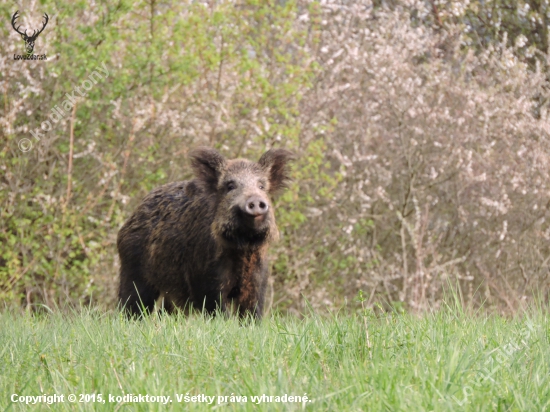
[[202, 243]]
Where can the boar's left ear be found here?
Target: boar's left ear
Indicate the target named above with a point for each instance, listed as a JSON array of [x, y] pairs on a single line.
[[207, 165], [275, 161]]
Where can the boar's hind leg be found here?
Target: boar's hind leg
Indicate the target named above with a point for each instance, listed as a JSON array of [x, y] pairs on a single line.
[[135, 295]]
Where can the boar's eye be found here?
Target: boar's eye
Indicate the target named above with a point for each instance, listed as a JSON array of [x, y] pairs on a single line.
[[262, 187], [230, 186]]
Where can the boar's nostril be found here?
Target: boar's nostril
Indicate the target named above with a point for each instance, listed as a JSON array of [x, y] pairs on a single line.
[[255, 207]]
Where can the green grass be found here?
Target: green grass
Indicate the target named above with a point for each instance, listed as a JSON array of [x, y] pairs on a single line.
[[443, 361]]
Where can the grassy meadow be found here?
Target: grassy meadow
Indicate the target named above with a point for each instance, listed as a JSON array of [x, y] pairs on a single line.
[[445, 361]]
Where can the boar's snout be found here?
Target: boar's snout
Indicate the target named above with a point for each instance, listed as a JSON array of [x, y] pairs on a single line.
[[255, 206]]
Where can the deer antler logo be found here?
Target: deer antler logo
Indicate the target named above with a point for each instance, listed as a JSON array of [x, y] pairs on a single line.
[[29, 40]]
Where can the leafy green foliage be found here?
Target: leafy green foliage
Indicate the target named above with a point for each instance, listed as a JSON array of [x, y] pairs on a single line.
[[179, 75]]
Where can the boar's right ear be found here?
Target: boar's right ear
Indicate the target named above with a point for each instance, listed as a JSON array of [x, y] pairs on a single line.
[[207, 165]]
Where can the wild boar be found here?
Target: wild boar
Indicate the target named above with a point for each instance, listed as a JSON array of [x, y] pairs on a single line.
[[202, 243]]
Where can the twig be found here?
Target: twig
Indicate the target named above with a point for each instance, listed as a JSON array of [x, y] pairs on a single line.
[[122, 172], [10, 283], [71, 151], [362, 299], [116, 376], [69, 184], [436, 14], [406, 279]]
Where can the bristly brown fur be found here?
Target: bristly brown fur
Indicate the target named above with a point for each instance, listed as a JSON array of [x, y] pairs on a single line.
[[190, 243]]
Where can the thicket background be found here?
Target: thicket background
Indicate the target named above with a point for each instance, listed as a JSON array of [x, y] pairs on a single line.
[[421, 129]]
